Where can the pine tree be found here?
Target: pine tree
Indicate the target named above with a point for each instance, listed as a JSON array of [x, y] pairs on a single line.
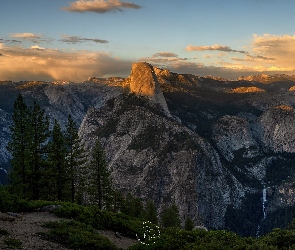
[[151, 212], [39, 135], [18, 147], [76, 156], [117, 201], [99, 184], [189, 224], [170, 217], [56, 173]]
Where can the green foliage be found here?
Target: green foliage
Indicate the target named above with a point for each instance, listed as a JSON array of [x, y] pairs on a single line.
[[76, 156], [101, 219], [98, 182], [280, 218], [9, 202], [132, 206], [13, 243], [189, 224], [281, 169], [19, 147], [39, 135], [151, 212], [77, 235], [56, 184], [243, 221], [4, 232], [170, 217]]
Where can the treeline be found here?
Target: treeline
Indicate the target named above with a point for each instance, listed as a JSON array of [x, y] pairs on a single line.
[[52, 165]]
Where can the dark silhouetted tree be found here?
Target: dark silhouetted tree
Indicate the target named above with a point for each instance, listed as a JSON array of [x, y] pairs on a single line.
[[19, 147], [151, 212], [189, 224], [76, 156], [170, 217], [98, 181], [56, 174]]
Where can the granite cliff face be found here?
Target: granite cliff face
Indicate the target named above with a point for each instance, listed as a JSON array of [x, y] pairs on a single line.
[[154, 156], [224, 157], [144, 82]]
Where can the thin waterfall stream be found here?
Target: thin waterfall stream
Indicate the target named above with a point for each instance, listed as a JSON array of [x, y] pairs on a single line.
[[264, 200]]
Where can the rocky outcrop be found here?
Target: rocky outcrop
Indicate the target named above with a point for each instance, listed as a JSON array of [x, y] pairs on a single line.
[[144, 82], [231, 134], [155, 157], [278, 129], [242, 90]]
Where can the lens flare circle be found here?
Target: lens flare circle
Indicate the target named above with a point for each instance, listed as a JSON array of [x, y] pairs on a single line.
[[150, 234]]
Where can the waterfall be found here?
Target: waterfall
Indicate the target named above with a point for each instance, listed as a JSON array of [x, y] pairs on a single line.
[[264, 200]]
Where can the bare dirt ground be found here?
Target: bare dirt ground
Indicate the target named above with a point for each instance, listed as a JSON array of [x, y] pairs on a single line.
[[25, 227]]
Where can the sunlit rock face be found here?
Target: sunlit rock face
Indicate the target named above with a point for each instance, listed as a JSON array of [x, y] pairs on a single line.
[[144, 82], [242, 90]]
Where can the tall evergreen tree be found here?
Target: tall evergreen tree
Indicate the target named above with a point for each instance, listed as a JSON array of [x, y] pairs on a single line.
[[189, 224], [39, 134], [19, 147], [99, 185], [132, 206], [76, 156], [56, 174], [151, 212], [170, 217]]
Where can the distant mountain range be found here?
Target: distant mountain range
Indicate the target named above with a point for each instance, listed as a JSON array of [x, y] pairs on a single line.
[[222, 150]]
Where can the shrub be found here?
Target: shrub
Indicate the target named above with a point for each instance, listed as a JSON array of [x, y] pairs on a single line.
[[13, 243], [4, 232], [76, 235]]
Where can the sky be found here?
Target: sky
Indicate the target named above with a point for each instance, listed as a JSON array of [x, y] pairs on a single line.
[[73, 40]]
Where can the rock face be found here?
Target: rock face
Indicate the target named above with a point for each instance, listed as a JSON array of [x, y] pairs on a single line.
[[232, 133], [143, 81], [279, 131], [154, 157], [185, 139]]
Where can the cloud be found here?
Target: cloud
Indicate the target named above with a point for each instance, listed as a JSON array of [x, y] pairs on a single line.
[[34, 38], [25, 35], [100, 6], [9, 41], [48, 64], [267, 54], [165, 54], [78, 39], [250, 58], [213, 48], [36, 47], [162, 58]]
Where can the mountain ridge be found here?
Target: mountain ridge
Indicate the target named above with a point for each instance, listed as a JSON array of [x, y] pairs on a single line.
[[213, 153]]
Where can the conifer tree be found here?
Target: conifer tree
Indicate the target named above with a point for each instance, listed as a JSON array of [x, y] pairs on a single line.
[[151, 212], [170, 217], [76, 156], [189, 224], [99, 184], [56, 173], [19, 147], [39, 135], [132, 206]]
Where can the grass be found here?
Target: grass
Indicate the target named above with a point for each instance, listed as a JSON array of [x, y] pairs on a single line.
[[13, 243], [76, 235]]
